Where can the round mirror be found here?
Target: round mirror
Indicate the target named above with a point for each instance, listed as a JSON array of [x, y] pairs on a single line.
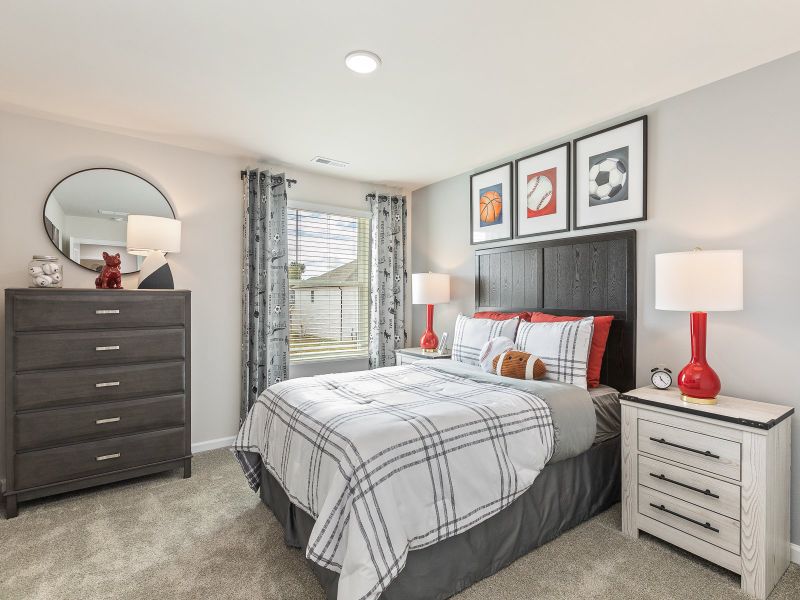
[[86, 214]]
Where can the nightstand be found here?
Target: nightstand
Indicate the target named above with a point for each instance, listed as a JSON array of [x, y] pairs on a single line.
[[711, 479], [405, 356]]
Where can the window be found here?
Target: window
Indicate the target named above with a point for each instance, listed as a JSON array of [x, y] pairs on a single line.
[[328, 285]]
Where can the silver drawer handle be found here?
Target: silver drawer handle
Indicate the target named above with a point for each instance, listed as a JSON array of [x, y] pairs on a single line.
[[107, 311], [110, 420], [108, 456], [104, 348], [106, 384]]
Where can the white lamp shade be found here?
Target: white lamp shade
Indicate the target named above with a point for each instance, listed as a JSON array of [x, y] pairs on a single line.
[[430, 288], [701, 280], [153, 234]]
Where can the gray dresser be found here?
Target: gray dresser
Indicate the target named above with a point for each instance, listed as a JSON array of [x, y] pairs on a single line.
[[97, 388]]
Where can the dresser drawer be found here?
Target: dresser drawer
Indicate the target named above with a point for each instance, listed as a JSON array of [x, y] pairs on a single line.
[[50, 389], [45, 428], [89, 348], [712, 454], [105, 309], [709, 526], [720, 496], [41, 467]]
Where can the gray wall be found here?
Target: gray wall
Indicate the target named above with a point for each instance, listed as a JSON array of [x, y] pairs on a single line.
[[724, 172]]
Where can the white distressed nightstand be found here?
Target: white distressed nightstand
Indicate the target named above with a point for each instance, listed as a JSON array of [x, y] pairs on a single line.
[[712, 479], [405, 356]]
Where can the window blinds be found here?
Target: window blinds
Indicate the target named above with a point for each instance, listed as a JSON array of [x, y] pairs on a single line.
[[328, 285]]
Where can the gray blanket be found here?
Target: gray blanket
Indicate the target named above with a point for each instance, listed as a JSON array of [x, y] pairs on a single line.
[[571, 408]]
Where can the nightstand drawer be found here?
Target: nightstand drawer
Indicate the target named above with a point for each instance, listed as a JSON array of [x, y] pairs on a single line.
[[710, 493], [691, 519], [712, 454]]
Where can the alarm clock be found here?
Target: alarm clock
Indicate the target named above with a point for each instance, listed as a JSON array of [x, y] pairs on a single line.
[[661, 377]]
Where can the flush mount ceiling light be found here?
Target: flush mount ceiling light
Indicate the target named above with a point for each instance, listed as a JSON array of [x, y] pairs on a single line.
[[362, 61]]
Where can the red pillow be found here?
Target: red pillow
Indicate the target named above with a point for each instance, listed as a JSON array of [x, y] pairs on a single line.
[[602, 325], [502, 316]]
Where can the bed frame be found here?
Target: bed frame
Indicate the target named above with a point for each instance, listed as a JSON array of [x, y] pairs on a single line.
[[587, 276]]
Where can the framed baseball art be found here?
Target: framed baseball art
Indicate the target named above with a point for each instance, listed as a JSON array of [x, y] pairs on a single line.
[[543, 198], [610, 177], [491, 206]]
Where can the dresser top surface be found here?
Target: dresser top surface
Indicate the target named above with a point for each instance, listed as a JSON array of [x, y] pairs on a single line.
[[750, 413]]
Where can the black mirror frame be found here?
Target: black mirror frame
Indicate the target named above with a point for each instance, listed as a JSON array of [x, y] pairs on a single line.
[[63, 179]]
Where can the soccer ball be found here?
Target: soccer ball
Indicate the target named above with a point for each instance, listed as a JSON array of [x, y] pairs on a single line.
[[607, 178]]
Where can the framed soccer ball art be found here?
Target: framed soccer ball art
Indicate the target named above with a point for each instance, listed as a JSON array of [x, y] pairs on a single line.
[[610, 176], [543, 198], [491, 205]]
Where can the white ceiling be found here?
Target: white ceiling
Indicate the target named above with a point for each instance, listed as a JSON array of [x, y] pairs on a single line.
[[463, 82]]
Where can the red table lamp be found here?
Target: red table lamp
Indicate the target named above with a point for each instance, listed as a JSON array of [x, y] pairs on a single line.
[[430, 289], [700, 281]]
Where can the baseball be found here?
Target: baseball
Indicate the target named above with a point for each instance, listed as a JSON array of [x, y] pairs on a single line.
[[540, 192]]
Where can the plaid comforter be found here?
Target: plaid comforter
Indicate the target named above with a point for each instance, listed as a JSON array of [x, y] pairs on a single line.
[[392, 460]]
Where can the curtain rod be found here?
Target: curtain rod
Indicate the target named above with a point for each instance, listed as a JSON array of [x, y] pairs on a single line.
[[275, 178]]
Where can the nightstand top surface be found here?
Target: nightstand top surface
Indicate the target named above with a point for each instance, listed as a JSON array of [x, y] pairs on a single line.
[[761, 415], [420, 353]]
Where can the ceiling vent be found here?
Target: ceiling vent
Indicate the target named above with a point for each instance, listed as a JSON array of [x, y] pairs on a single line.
[[329, 162]]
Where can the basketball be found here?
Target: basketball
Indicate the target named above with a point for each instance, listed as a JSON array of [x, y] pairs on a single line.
[[491, 207]]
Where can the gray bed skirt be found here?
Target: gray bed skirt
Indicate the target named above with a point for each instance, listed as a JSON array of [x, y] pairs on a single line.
[[564, 495]]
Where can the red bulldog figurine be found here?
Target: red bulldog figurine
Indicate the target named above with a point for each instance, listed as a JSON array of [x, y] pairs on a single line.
[[110, 277]]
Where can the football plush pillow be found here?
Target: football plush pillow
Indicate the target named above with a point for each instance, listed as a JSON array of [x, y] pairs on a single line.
[[519, 365]]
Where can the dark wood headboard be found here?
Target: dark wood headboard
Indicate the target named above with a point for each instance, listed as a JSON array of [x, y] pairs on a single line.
[[586, 275]]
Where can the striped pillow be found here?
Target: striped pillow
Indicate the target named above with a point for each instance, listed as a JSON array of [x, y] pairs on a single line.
[[471, 334], [563, 347]]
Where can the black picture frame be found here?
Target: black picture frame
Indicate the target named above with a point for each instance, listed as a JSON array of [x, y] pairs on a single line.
[[510, 166], [575, 143], [568, 195]]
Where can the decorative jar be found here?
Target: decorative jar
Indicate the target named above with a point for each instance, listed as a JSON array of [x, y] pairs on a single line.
[[45, 272]]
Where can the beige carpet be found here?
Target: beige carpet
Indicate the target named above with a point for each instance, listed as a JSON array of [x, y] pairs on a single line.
[[208, 537]]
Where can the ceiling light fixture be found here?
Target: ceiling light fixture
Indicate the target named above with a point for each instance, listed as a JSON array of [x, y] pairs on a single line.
[[362, 61]]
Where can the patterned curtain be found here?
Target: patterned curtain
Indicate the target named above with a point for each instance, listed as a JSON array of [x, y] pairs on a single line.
[[265, 286], [387, 324]]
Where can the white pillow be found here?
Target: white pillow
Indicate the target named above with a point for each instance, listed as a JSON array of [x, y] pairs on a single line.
[[471, 334], [562, 346], [494, 347]]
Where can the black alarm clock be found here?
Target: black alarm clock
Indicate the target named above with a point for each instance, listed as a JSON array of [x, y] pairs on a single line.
[[661, 377]]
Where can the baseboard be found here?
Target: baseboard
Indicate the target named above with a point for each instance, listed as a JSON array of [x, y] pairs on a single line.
[[795, 557], [212, 444]]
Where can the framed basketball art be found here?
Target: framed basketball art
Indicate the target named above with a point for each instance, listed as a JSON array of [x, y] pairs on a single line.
[[543, 198], [491, 205], [611, 176]]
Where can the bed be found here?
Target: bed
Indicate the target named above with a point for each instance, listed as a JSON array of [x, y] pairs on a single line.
[[578, 473]]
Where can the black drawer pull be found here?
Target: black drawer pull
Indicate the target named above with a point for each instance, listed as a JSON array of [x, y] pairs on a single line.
[[663, 477], [705, 525], [707, 453]]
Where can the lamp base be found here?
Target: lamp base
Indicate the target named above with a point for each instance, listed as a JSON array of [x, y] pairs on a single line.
[[155, 273], [429, 340], [693, 400], [697, 381]]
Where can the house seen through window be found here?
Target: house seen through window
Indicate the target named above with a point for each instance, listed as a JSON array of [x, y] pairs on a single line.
[[328, 285]]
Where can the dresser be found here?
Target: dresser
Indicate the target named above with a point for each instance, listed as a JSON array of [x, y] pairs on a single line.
[[97, 388], [405, 356], [712, 479]]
